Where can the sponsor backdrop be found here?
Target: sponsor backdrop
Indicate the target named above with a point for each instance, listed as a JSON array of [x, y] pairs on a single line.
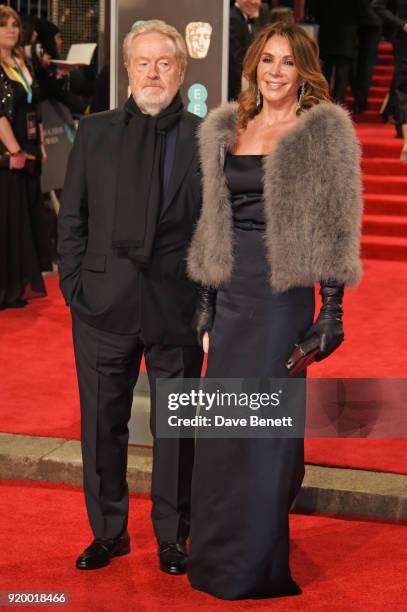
[[203, 26], [59, 133]]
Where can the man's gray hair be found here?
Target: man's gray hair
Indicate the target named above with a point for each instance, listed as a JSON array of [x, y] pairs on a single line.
[[156, 25]]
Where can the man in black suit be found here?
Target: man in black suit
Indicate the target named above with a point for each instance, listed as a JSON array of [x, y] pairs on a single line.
[[130, 202], [338, 43], [369, 35], [247, 17]]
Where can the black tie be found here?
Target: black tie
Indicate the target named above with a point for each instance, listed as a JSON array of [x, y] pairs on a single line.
[[250, 25]]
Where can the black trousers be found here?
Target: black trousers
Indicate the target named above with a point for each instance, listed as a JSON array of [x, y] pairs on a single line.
[[400, 77], [369, 38], [396, 104], [339, 69], [107, 367]]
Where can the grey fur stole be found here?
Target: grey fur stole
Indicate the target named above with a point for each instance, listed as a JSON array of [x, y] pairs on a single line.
[[312, 200]]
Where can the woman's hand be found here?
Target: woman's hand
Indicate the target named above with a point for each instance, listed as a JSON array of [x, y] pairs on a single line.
[[63, 71], [45, 60], [205, 342], [17, 162]]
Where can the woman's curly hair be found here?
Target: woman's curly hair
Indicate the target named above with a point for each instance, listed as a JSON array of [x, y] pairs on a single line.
[[306, 59]]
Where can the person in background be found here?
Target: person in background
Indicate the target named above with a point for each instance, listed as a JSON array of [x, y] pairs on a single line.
[[296, 6], [29, 34], [50, 37], [22, 151], [247, 17], [38, 61], [394, 14], [34, 51], [281, 13], [54, 81], [101, 93], [338, 26], [369, 34]]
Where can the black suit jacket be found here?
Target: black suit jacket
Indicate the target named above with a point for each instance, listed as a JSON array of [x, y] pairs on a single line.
[[394, 15], [239, 41], [104, 288], [393, 12], [338, 26]]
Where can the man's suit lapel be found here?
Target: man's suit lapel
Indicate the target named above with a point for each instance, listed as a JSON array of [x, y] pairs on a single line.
[[115, 140], [184, 153]]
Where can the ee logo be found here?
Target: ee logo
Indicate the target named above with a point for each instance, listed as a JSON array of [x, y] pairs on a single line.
[[197, 96]]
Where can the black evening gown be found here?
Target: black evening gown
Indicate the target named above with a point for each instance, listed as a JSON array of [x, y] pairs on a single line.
[[24, 249], [243, 488]]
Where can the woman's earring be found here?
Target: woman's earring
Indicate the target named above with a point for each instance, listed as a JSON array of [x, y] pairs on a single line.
[[258, 98], [300, 99]]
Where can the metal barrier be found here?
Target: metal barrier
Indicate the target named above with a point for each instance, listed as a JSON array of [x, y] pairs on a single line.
[[39, 8]]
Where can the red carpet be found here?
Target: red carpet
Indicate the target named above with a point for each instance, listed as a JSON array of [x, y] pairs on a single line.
[[39, 390], [340, 565], [38, 384]]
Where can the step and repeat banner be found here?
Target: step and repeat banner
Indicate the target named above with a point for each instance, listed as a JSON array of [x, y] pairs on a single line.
[[59, 133], [205, 27]]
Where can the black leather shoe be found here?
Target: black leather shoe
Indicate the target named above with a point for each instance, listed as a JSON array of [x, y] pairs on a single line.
[[173, 557], [99, 553]]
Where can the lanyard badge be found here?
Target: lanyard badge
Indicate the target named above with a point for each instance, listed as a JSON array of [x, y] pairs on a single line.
[[20, 77], [31, 126]]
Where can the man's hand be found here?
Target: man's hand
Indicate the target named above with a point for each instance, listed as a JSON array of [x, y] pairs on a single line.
[[45, 60]]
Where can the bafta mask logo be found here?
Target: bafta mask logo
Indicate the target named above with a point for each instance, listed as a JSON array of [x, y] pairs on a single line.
[[198, 36]]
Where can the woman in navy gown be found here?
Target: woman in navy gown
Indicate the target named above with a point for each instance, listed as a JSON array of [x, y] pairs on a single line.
[[281, 211]]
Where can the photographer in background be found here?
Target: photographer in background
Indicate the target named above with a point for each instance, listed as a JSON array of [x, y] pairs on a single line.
[[55, 82]]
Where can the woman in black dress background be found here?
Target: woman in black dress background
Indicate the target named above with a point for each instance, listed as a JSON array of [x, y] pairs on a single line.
[[24, 250], [281, 211]]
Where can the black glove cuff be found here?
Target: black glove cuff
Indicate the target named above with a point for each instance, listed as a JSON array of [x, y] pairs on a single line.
[[331, 293], [205, 313]]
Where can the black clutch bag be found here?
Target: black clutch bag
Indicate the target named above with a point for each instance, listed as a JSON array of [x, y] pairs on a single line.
[[303, 354], [32, 166]]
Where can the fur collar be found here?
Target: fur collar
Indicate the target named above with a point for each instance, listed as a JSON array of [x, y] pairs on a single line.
[[220, 126], [312, 201]]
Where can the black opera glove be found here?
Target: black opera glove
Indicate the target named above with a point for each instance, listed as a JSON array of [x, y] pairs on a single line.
[[205, 310], [328, 326]]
